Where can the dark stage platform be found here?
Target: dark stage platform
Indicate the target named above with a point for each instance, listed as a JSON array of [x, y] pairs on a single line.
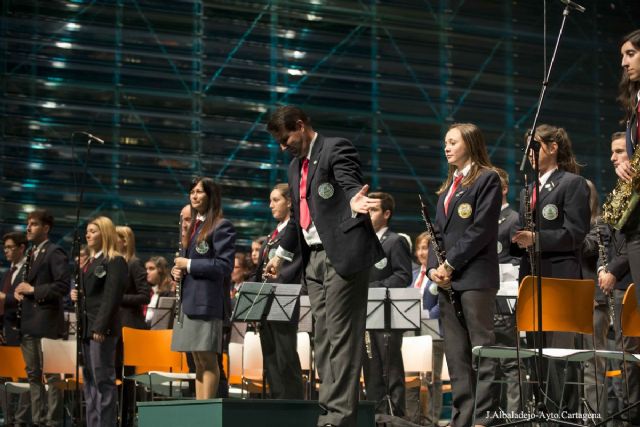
[[239, 413]]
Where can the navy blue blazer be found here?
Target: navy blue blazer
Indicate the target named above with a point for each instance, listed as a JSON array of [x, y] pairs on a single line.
[[470, 233], [334, 177], [564, 223], [10, 319], [394, 270], [212, 262]]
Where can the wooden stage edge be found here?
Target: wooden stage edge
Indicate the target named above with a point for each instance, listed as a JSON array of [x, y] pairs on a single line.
[[239, 413]]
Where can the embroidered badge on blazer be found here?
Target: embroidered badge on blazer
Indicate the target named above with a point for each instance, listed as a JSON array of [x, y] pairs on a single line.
[[465, 210], [202, 247], [499, 247], [381, 264], [550, 212], [325, 190], [100, 272]]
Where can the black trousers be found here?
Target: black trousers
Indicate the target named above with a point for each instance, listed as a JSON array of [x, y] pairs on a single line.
[[479, 308], [380, 367], [280, 358]]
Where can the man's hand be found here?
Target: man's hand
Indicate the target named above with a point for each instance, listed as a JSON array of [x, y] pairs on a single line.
[[99, 338], [523, 238], [272, 269], [606, 281], [361, 203], [23, 289], [441, 276], [625, 171], [74, 295], [176, 273]]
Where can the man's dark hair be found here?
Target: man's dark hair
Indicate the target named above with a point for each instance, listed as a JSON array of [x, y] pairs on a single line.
[[387, 203], [286, 117], [18, 238], [43, 216]]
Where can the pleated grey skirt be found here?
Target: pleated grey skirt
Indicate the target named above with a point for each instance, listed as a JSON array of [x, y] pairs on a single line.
[[197, 335]]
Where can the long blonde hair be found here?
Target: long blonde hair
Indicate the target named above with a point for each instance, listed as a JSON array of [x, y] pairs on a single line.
[[108, 236], [477, 150], [126, 233]]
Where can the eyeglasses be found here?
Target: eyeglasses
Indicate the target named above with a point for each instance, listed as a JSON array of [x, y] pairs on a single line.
[[9, 247]]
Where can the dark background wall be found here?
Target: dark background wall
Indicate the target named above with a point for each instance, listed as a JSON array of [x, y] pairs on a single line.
[[184, 87]]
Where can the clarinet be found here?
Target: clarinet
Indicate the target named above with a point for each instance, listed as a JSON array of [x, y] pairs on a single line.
[[25, 276], [528, 225], [179, 282], [441, 256], [602, 257]]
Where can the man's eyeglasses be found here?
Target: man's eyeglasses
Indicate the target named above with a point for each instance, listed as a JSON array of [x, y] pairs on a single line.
[[9, 247]]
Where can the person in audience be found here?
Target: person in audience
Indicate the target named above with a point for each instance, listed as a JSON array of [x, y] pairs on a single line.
[[158, 275]]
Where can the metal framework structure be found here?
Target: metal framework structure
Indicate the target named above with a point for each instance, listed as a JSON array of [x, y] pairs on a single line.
[[183, 87]]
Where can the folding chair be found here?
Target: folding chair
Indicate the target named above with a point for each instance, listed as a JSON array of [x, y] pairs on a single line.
[[157, 367], [252, 367], [235, 368], [558, 315], [303, 348], [12, 367], [59, 357]]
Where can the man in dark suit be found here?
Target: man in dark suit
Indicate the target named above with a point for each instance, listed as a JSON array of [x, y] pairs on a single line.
[[14, 245], [393, 271], [331, 226], [41, 297]]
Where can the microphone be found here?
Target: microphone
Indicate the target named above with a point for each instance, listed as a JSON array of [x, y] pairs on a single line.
[[574, 5], [93, 137]]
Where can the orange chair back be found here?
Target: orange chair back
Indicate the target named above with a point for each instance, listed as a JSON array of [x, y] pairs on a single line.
[[150, 350], [630, 314], [567, 305], [11, 363]]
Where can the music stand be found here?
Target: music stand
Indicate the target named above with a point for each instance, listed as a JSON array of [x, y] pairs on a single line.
[[162, 313], [252, 302], [392, 309], [284, 301], [305, 322]]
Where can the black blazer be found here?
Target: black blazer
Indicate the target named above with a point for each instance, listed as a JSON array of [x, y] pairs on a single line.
[[508, 224], [203, 287], [290, 271], [103, 288], [590, 257], [42, 312], [137, 293], [10, 320], [618, 259], [394, 270], [334, 170], [470, 233], [564, 223]]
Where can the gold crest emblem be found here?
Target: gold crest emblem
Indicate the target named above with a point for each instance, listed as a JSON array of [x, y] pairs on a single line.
[[465, 210]]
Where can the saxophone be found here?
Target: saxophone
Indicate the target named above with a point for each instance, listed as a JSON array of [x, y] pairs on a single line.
[[602, 257], [624, 198]]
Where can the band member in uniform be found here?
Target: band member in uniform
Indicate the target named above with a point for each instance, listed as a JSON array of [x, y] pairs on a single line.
[[205, 271], [629, 97], [393, 271], [41, 295], [504, 322], [279, 339], [104, 277], [467, 225], [616, 278], [564, 223], [331, 226]]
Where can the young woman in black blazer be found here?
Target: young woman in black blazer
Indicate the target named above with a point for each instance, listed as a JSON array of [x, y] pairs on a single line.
[[205, 271], [466, 226], [564, 222], [103, 276]]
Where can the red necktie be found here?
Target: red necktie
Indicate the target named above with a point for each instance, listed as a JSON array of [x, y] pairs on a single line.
[[454, 187], [533, 197], [269, 241], [87, 264], [195, 227], [6, 285], [305, 215], [423, 272]]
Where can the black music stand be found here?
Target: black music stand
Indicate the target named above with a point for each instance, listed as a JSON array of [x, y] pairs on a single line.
[[162, 313], [392, 309]]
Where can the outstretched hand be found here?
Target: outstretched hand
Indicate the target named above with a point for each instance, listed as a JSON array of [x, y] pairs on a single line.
[[360, 203]]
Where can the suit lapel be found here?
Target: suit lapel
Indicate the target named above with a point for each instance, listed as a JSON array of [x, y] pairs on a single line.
[[455, 198], [313, 160], [550, 185], [37, 262]]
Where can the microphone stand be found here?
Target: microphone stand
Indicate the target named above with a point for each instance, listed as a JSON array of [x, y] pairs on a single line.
[[80, 309], [533, 148]]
